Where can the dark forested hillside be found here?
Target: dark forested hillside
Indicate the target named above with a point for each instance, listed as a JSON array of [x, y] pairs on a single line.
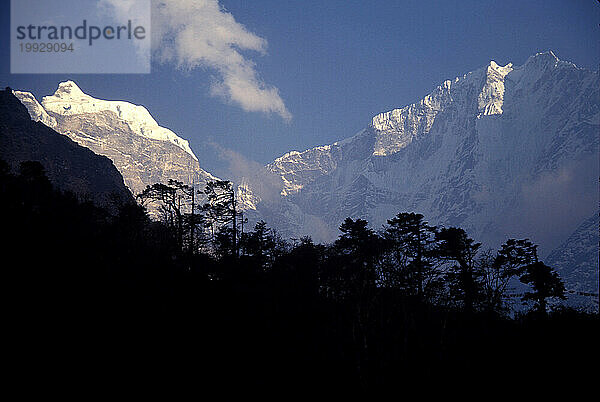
[[98, 297]]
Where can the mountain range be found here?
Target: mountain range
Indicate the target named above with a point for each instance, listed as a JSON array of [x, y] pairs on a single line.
[[503, 152]]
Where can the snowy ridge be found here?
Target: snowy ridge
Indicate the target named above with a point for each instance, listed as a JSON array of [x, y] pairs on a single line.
[[491, 98], [246, 199], [397, 128], [489, 151], [36, 111], [69, 100], [142, 151], [298, 168]]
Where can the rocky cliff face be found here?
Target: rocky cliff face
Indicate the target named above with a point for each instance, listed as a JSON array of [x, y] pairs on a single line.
[[144, 152], [69, 166], [503, 151]]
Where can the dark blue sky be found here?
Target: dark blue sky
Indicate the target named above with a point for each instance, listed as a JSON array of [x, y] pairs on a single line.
[[336, 64]]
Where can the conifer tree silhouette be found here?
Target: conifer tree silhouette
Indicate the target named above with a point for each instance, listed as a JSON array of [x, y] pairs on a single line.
[[545, 283], [456, 246], [411, 243]]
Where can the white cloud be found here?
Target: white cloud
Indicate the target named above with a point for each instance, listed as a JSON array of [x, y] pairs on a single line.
[[553, 204], [139, 12], [264, 184], [201, 34]]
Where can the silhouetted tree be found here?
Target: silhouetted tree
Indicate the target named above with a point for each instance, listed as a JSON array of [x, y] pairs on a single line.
[[498, 271], [174, 199], [222, 242], [411, 253], [359, 249], [221, 210], [308, 258], [260, 245], [456, 246], [515, 254], [97, 284], [545, 283]]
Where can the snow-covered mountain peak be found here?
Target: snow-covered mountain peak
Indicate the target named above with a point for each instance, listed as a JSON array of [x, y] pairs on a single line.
[[143, 152], [542, 60], [298, 168], [287, 155], [69, 100], [548, 55], [494, 67], [397, 128], [491, 97], [486, 151], [70, 90]]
